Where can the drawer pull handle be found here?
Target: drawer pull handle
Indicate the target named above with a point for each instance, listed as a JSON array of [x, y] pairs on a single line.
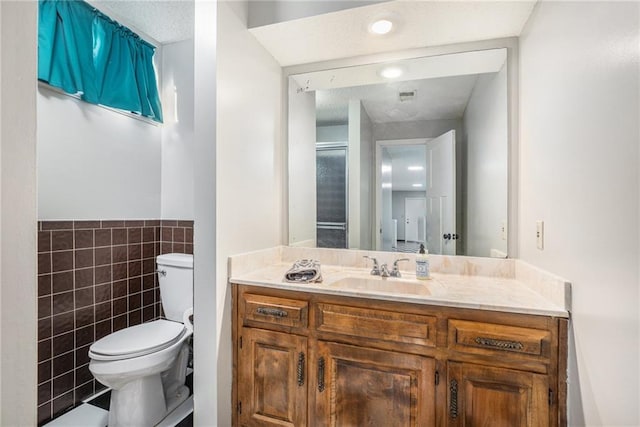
[[453, 403], [275, 312], [300, 369], [321, 374], [501, 344]]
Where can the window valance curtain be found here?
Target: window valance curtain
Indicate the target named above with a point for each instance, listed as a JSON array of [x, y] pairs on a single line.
[[84, 52]]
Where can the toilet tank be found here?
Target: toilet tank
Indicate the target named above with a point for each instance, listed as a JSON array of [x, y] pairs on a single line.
[[175, 274]]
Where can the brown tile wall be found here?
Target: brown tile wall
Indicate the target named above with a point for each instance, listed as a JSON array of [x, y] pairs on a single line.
[[94, 278]]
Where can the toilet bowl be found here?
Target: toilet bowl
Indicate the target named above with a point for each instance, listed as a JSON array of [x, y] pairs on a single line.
[[145, 365]]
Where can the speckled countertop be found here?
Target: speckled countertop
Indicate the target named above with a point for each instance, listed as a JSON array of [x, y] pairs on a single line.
[[501, 285]]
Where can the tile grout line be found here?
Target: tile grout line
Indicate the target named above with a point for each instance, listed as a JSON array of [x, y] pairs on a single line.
[[144, 311]]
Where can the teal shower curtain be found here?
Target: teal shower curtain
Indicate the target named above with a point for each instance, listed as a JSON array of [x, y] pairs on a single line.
[[82, 51]]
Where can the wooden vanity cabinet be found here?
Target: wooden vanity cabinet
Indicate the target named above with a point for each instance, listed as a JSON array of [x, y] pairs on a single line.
[[359, 386], [271, 373], [305, 359], [488, 396]]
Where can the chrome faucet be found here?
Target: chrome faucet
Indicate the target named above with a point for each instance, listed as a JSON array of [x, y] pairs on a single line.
[[396, 271], [375, 271], [384, 271]]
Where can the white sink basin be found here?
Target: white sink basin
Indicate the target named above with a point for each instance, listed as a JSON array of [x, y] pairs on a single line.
[[389, 285]]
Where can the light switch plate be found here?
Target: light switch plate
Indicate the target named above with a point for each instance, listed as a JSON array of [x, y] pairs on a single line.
[[540, 234]]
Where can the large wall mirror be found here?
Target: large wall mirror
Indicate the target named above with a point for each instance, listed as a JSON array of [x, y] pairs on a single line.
[[388, 156]]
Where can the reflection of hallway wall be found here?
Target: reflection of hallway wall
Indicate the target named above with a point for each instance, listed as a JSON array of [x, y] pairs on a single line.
[[485, 175], [397, 208], [366, 180], [336, 133], [433, 129]]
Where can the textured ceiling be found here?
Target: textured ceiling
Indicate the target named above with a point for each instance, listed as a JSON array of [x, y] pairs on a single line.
[[443, 86], [419, 24], [164, 21], [436, 99]]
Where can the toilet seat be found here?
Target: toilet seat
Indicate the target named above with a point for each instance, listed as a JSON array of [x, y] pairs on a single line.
[[139, 340]]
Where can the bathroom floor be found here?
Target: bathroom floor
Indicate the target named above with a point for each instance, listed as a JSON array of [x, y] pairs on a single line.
[[95, 412]]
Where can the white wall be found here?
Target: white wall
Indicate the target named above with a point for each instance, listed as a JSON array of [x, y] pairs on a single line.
[[579, 109], [95, 163], [485, 130], [18, 325], [250, 166], [367, 187], [177, 132], [302, 171], [335, 133], [354, 173], [205, 310]]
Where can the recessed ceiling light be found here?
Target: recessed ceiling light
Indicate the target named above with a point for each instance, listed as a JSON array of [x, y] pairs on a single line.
[[385, 168], [381, 26], [386, 185], [391, 72], [416, 185], [415, 168]]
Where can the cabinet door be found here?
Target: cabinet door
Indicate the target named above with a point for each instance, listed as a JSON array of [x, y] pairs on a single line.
[[486, 396], [363, 387], [272, 387]]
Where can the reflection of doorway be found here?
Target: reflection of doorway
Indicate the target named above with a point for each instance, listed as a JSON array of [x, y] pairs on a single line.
[[400, 173], [422, 170], [332, 195], [415, 211]]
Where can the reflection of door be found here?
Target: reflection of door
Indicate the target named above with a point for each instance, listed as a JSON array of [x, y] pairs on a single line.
[[386, 184], [331, 193], [415, 210], [441, 194]]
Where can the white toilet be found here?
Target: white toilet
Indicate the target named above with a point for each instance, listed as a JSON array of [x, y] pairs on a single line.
[[145, 365]]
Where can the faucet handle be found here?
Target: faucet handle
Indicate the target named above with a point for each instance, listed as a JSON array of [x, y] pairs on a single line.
[[375, 271], [396, 271]]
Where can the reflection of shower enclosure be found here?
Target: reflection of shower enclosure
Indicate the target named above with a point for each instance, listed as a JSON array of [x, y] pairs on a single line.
[[332, 196]]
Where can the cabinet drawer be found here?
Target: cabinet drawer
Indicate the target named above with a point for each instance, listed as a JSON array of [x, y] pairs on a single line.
[[379, 324], [489, 338], [274, 310]]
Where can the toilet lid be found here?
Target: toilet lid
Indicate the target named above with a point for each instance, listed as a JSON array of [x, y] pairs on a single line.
[[140, 339]]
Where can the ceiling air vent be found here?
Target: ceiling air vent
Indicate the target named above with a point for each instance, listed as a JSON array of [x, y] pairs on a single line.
[[407, 95]]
